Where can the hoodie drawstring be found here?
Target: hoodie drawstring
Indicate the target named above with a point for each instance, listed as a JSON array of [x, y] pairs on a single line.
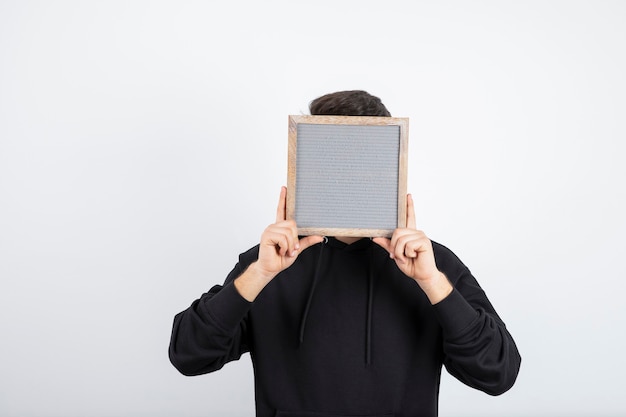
[[370, 300], [312, 290]]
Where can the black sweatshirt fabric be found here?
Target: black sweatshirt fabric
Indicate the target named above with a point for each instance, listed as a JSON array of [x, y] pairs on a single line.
[[343, 332]]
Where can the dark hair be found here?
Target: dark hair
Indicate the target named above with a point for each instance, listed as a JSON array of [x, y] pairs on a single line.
[[348, 103]]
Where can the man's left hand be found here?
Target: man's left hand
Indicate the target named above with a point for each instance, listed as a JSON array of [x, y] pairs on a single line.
[[413, 252]]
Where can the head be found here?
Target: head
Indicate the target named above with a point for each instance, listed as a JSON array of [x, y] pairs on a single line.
[[348, 103]]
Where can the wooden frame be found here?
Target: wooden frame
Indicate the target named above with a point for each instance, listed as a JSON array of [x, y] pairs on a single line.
[[352, 171]]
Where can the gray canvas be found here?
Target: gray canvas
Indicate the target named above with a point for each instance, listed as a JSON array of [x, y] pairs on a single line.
[[347, 176]]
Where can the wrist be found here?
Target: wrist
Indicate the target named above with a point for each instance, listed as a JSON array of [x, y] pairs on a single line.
[[256, 271], [252, 281], [436, 288]]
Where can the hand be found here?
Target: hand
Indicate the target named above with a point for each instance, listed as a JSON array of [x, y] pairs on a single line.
[[413, 253], [280, 246], [278, 250]]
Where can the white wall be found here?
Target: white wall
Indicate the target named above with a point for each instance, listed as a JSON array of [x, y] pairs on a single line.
[[143, 145]]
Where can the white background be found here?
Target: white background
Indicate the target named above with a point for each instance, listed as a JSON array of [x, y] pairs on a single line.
[[143, 146]]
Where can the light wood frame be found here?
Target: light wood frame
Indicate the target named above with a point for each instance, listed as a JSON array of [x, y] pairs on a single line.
[[321, 229]]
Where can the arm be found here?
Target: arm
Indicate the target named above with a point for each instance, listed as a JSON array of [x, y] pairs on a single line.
[[478, 349], [213, 330]]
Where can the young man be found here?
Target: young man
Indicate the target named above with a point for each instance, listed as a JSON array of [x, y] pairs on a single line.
[[346, 326]]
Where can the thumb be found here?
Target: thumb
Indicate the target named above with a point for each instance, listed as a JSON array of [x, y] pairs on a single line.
[[308, 241]]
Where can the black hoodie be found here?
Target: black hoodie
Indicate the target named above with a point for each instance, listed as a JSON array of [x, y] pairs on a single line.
[[343, 332]]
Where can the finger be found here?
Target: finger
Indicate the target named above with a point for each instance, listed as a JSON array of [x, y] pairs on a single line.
[[397, 235], [410, 212], [279, 241], [405, 244], [291, 232], [398, 251], [412, 244], [309, 241], [283, 238], [412, 247], [282, 205]]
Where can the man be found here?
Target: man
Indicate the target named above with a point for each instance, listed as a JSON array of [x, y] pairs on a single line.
[[348, 326]]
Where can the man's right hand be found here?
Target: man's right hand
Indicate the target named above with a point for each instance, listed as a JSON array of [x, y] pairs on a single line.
[[278, 250]]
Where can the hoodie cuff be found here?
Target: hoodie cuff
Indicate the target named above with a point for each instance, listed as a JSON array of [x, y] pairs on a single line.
[[228, 308], [455, 314]]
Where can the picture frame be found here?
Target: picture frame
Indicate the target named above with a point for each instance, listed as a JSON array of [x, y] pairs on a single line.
[[347, 175]]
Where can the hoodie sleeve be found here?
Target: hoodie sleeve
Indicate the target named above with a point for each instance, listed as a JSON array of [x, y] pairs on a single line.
[[479, 351], [213, 330]]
